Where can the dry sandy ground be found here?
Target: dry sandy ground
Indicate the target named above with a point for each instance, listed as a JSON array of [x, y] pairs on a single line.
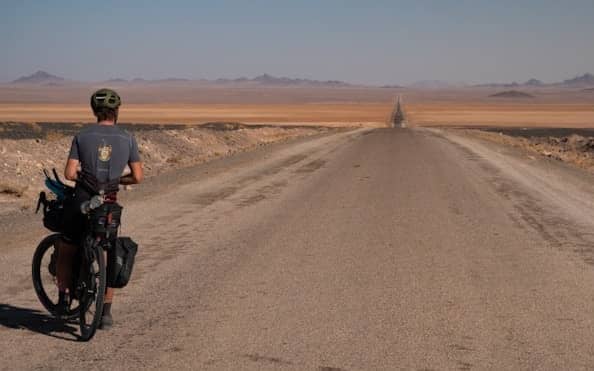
[[344, 114], [364, 250], [337, 115], [502, 114], [195, 103]]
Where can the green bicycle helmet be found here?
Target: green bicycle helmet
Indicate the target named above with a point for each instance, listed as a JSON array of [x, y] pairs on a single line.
[[105, 98]]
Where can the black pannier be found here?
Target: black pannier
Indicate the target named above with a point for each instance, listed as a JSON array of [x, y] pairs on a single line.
[[120, 261], [53, 213]]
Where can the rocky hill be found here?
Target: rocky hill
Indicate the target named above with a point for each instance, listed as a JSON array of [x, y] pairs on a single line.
[[269, 80], [511, 94], [586, 79], [39, 77]]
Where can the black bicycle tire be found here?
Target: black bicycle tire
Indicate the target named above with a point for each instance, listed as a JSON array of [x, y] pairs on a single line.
[[87, 334], [42, 295]]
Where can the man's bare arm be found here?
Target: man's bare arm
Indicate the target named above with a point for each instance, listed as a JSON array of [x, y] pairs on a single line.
[[70, 172]]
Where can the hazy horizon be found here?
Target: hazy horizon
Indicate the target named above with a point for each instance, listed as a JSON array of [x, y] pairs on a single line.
[[252, 78], [384, 42]]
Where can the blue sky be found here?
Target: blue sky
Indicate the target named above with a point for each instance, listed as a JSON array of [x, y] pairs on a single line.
[[378, 42]]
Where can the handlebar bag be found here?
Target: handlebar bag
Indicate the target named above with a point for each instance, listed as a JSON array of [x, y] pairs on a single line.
[[120, 261]]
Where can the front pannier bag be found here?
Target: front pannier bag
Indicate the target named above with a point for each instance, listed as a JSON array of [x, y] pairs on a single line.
[[120, 261], [53, 213]]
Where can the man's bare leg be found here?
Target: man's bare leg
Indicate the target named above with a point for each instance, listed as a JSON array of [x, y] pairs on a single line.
[[109, 295], [66, 253], [106, 319]]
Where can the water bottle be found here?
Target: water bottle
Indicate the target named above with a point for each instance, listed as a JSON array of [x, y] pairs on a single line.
[[91, 204]]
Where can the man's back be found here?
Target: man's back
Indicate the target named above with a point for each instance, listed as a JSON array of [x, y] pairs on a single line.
[[104, 151]]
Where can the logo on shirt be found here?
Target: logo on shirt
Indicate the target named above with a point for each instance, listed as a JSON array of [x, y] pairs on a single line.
[[104, 152]]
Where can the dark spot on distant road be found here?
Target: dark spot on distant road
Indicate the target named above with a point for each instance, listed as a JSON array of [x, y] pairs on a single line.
[[464, 365], [311, 166], [326, 368], [277, 168], [461, 347], [208, 198], [260, 358], [292, 160], [252, 200]]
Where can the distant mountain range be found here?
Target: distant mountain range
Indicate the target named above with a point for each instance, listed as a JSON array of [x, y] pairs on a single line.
[[39, 77], [270, 80], [529, 83], [511, 94], [436, 84], [44, 78], [584, 80]]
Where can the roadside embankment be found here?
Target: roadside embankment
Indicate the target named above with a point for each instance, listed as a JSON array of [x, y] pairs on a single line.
[[572, 147], [26, 149]]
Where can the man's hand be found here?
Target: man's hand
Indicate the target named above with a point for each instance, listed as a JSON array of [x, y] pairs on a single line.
[[127, 180], [136, 175]]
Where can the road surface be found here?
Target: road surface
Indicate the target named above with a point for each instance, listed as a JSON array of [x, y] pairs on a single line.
[[365, 250]]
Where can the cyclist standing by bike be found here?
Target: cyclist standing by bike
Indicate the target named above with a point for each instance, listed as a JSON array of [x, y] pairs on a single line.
[[101, 151]]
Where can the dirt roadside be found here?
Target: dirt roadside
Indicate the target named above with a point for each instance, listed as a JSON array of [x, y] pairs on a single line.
[[574, 148], [559, 194], [25, 149]]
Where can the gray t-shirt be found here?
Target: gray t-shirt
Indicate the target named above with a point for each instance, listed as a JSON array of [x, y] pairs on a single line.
[[104, 151]]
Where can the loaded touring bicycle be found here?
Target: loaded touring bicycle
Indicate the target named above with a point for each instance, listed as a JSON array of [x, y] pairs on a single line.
[[103, 259]]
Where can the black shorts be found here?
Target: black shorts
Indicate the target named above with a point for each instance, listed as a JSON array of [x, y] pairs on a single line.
[[75, 222]]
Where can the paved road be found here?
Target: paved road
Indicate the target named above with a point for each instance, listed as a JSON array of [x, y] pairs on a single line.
[[367, 250]]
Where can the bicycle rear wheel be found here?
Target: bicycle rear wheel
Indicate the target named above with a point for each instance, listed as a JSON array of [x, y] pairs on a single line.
[[44, 277], [91, 289]]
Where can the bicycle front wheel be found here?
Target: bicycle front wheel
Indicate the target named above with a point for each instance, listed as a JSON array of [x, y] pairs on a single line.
[[44, 277], [91, 288]]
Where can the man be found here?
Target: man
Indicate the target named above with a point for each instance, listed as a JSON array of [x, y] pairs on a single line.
[[102, 151]]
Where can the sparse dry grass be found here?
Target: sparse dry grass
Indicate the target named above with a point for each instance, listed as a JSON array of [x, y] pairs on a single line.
[[174, 159], [54, 135], [11, 189]]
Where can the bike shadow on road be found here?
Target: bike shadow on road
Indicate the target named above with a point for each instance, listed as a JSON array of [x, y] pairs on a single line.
[[36, 321]]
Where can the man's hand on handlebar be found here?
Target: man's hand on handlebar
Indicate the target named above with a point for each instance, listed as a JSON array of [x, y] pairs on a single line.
[[135, 175], [127, 180]]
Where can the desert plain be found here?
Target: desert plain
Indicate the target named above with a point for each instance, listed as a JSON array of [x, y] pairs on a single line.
[[194, 103]]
